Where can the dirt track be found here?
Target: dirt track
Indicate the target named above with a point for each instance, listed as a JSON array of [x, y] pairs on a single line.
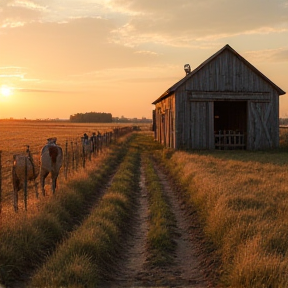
[[189, 269]]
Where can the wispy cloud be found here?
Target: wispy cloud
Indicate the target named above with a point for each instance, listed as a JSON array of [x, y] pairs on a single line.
[[146, 52], [39, 90], [160, 22], [27, 4], [275, 55], [12, 72]]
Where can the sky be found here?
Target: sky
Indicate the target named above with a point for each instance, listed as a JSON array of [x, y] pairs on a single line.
[[62, 57]]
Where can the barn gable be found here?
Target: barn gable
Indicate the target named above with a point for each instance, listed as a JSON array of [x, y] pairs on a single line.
[[224, 93]]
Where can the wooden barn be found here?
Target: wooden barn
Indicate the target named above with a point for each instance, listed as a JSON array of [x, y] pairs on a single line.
[[225, 103]]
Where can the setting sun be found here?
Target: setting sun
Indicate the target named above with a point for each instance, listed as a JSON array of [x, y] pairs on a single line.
[[5, 90]]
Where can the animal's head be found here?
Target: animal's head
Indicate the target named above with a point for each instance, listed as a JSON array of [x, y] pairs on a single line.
[[52, 140]]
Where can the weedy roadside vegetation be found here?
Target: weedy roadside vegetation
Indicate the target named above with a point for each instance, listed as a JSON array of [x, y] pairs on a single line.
[[242, 201], [27, 240], [161, 245], [161, 222], [87, 257], [17, 134]]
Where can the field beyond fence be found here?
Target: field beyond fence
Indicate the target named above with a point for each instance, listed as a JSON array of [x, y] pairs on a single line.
[[17, 135], [242, 199]]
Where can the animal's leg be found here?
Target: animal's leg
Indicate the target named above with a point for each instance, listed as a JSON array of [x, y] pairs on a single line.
[[54, 176], [43, 176], [36, 188], [16, 188], [15, 196]]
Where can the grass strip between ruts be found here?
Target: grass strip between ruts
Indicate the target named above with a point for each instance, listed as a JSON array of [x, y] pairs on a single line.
[[25, 243], [88, 255], [161, 219]]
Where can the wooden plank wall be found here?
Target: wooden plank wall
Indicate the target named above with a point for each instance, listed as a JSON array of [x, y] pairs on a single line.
[[263, 123], [165, 122], [185, 121], [195, 120]]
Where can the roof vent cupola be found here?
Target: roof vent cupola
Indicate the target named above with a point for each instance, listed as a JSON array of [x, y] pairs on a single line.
[[187, 68]]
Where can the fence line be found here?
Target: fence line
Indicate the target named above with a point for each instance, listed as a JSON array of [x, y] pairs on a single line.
[[75, 155], [0, 186]]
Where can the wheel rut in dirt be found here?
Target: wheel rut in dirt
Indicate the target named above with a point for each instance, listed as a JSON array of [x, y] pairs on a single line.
[[134, 258], [187, 263], [133, 267]]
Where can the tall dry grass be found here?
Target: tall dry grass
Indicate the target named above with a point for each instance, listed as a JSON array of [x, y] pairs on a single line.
[[88, 256], [16, 134], [242, 199], [26, 238], [161, 244]]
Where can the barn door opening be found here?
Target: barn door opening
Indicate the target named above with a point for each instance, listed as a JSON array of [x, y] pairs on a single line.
[[230, 124]]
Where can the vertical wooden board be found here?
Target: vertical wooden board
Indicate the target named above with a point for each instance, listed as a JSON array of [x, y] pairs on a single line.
[[173, 105], [261, 137], [210, 124], [276, 119], [250, 126], [168, 129], [192, 124], [157, 122], [187, 122], [202, 124], [196, 125], [189, 126]]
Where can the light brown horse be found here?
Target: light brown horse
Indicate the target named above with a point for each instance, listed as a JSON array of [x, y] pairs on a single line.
[[23, 170], [50, 162]]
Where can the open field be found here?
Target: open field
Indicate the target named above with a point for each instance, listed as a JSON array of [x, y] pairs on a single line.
[[242, 200], [221, 220], [16, 134]]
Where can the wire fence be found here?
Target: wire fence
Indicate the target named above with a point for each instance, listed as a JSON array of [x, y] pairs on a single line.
[[76, 153]]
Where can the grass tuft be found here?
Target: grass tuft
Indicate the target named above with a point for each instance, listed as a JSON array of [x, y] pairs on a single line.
[[242, 200]]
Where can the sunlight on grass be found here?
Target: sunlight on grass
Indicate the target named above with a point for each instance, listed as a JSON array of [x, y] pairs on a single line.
[[242, 198]]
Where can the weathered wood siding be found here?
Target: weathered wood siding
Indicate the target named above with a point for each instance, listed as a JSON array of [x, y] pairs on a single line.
[[225, 78], [195, 122], [263, 123], [165, 122]]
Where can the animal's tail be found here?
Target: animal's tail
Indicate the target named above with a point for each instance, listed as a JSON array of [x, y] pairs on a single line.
[[53, 153]]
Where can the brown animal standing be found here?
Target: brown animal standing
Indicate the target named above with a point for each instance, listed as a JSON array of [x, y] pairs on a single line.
[[23, 170], [50, 162]]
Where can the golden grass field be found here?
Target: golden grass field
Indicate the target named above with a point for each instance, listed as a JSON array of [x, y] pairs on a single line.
[[16, 134], [242, 198]]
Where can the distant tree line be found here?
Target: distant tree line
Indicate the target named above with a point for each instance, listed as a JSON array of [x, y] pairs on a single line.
[[283, 121], [123, 119], [91, 117]]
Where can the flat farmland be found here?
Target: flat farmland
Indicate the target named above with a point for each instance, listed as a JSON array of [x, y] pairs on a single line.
[[147, 216], [17, 134]]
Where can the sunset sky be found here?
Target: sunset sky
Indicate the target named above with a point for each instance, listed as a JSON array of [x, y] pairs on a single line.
[[61, 57]]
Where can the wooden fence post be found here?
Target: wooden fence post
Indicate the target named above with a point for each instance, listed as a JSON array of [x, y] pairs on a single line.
[[73, 156], [66, 160], [0, 188], [25, 183], [77, 155], [83, 155]]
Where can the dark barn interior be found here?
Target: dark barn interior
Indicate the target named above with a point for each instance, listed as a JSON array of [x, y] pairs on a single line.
[[230, 124]]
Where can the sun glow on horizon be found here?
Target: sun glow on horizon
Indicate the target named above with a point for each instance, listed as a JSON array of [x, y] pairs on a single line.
[[5, 90]]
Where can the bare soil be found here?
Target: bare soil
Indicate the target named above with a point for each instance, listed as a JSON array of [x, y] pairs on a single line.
[[192, 264]]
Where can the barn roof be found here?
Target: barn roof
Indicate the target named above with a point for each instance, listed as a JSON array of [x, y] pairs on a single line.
[[173, 88]]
